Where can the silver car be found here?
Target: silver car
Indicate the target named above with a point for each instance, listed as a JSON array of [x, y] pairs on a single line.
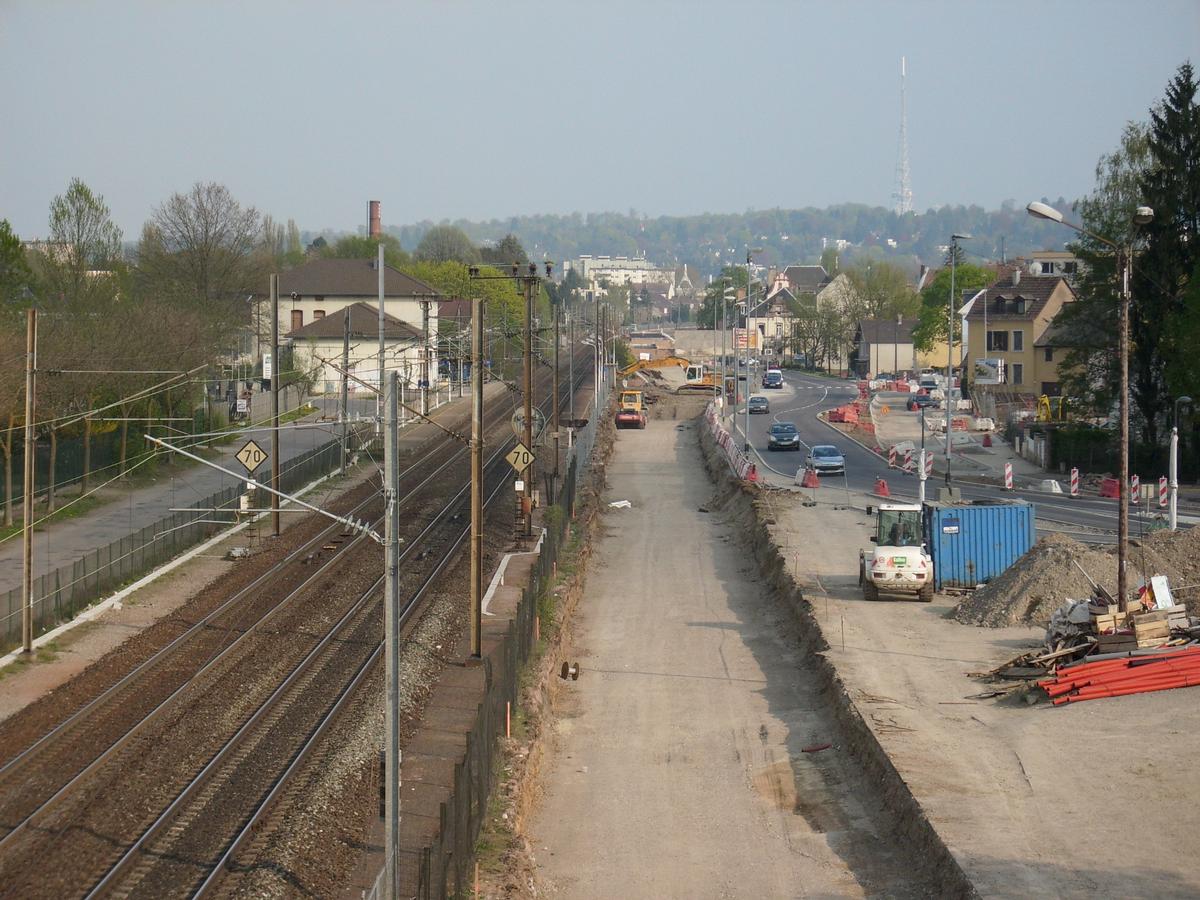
[[826, 459]]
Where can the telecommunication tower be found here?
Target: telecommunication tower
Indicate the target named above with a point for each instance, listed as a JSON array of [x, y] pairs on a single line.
[[903, 194]]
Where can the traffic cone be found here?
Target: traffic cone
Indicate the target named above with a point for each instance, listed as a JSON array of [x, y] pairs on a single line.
[[987, 440], [810, 479], [881, 488], [752, 473]]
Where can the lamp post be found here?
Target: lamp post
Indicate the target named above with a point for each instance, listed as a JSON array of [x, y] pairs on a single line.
[[896, 346], [954, 239], [746, 357], [1142, 215], [1174, 509]]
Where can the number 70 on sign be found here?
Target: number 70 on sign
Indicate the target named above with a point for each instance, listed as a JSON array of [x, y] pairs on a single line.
[[519, 457]]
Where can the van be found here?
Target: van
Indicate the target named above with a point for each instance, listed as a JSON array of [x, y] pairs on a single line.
[[772, 378]]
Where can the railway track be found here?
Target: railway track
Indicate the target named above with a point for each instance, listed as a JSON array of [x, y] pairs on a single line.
[[319, 633]]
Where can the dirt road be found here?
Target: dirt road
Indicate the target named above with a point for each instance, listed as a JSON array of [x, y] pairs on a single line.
[[687, 759]]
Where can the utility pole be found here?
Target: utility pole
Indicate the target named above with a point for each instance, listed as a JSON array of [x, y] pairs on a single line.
[[391, 601], [276, 372], [528, 475], [476, 478], [27, 499], [345, 387], [557, 404]]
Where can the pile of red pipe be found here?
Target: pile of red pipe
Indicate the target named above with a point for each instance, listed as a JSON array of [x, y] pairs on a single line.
[[1130, 675]]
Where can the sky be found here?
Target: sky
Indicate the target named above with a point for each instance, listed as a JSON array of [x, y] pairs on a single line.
[[479, 110]]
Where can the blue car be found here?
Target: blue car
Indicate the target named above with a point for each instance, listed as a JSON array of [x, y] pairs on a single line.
[[783, 436]]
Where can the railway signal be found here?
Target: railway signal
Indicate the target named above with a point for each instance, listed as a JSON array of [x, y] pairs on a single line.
[[251, 456], [520, 458]]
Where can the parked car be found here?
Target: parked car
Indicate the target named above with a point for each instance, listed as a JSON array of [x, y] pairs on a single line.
[[783, 436], [760, 405], [772, 378], [826, 459]]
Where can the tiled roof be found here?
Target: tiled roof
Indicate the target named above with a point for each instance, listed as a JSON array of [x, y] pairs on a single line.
[[364, 323], [1035, 290], [349, 278], [806, 279]]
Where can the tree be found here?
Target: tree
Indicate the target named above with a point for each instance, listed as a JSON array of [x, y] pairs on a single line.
[[1089, 327], [444, 243], [1162, 271], [709, 316], [366, 247], [935, 299], [505, 253], [199, 247], [16, 278], [84, 241], [884, 289]]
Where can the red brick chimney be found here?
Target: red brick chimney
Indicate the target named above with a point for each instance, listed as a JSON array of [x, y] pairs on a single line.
[[374, 228]]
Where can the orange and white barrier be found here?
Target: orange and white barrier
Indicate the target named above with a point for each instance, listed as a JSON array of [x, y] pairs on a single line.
[[1162, 492], [1074, 482], [1008, 480]]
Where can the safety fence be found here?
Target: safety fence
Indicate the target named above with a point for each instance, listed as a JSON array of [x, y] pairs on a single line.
[[739, 463], [60, 594]]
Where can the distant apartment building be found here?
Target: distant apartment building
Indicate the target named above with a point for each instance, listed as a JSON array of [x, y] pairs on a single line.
[[620, 270]]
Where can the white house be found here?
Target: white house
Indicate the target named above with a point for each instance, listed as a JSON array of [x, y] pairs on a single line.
[[319, 344], [322, 287]]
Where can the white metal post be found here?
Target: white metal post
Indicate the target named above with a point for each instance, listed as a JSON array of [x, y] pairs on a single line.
[[1174, 476]]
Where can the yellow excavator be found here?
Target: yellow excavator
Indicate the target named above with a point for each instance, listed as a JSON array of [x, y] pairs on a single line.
[[695, 378], [1051, 409]]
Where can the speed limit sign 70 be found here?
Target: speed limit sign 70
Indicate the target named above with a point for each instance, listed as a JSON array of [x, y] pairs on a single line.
[[519, 457]]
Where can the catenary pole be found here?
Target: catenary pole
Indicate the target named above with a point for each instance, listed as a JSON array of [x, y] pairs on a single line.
[[391, 467], [30, 451], [345, 387], [476, 478], [528, 475], [276, 377], [380, 399], [557, 402]]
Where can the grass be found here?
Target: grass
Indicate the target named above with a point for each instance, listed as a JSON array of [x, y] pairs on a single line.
[[44, 654], [81, 508]]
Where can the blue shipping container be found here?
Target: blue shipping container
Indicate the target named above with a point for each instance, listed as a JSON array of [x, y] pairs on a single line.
[[973, 543]]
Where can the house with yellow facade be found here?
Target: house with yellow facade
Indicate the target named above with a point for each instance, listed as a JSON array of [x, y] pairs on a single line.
[[1012, 323]]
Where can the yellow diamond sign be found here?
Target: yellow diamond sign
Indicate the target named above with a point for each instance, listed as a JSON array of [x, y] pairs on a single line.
[[519, 457], [251, 456]]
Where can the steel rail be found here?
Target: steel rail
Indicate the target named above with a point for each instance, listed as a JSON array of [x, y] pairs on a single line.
[[143, 668], [247, 728], [310, 744]]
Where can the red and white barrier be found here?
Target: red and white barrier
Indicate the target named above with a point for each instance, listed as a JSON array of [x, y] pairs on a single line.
[[1074, 482], [892, 457], [1135, 487], [1162, 492], [908, 459], [928, 463], [1008, 481]]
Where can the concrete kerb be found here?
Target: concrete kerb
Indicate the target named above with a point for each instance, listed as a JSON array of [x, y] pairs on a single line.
[[910, 818]]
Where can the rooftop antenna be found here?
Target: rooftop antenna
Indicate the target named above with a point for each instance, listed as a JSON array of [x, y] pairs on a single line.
[[903, 194]]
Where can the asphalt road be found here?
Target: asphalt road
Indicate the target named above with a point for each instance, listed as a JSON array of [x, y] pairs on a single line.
[[804, 396]]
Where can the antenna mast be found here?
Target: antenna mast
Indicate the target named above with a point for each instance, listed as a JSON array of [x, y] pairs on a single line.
[[903, 194]]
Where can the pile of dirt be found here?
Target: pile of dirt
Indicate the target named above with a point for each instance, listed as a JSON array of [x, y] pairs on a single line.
[[1041, 580], [1037, 584]]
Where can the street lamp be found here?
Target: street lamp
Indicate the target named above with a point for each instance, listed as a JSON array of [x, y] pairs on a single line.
[[896, 346], [1174, 518], [746, 359], [954, 239], [1141, 216]]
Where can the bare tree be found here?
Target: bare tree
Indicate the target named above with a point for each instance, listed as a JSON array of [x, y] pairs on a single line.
[[199, 247]]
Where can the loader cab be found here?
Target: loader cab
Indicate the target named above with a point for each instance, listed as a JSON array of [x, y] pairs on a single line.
[[694, 373], [899, 526]]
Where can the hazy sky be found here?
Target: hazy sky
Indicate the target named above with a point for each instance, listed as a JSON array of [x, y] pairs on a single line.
[[479, 110]]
